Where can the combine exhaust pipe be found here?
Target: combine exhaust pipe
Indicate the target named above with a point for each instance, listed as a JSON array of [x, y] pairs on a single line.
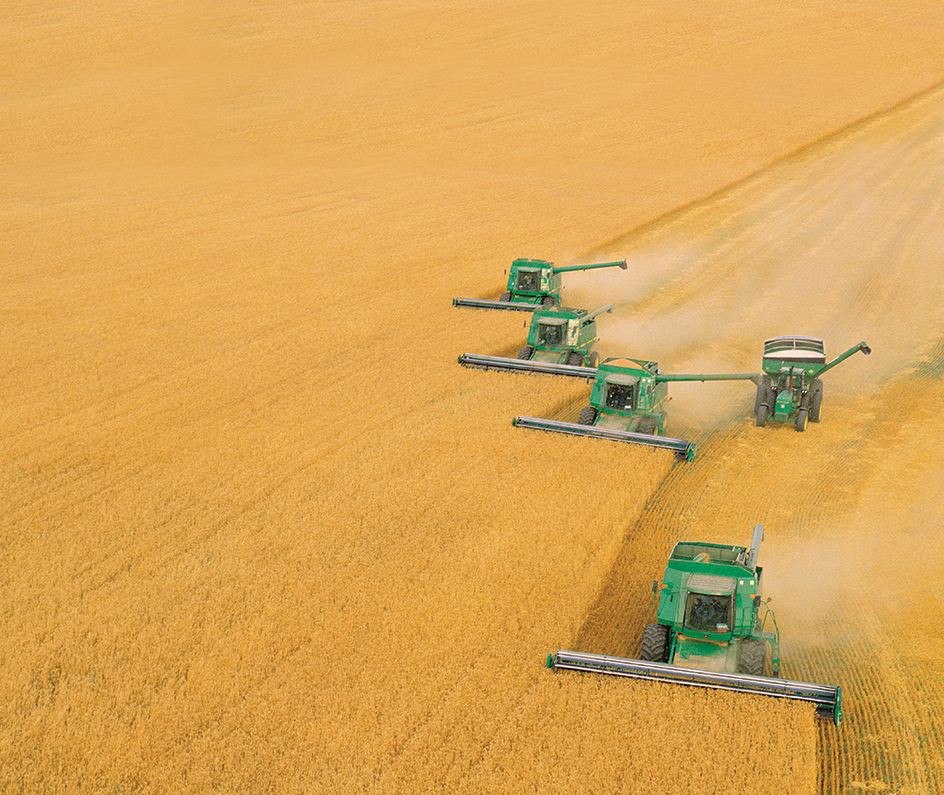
[[484, 303], [826, 698], [526, 366], [685, 450]]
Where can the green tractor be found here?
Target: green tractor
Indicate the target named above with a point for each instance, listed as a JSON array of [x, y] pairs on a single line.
[[559, 343], [532, 283], [710, 631], [791, 389], [627, 404]]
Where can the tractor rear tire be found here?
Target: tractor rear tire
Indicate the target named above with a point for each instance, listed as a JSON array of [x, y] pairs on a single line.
[[816, 401], [761, 395], [575, 358], [505, 296], [525, 352], [594, 360], [655, 644], [588, 415], [761, 415], [754, 657], [801, 420]]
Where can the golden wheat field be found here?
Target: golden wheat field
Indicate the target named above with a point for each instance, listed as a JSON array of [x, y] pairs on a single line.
[[261, 533]]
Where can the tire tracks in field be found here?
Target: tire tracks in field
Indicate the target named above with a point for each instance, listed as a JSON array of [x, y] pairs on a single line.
[[845, 234]]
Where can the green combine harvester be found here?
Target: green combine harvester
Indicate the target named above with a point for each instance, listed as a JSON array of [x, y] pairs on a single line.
[[556, 337], [532, 283], [790, 389], [710, 632], [627, 404]]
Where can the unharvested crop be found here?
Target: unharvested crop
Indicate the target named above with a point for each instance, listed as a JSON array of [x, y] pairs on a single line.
[[260, 532]]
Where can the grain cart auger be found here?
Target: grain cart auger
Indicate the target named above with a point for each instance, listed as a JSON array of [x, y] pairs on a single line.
[[710, 631], [790, 388], [559, 343], [532, 283], [627, 404]]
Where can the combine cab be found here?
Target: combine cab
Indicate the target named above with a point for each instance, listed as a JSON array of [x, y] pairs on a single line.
[[790, 388], [627, 404], [532, 283], [710, 631], [559, 343]]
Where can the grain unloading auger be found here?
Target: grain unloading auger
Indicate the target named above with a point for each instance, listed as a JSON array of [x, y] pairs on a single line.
[[790, 389], [710, 632], [627, 404], [532, 283], [559, 343]]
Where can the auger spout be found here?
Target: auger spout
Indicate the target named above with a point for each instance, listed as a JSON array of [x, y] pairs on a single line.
[[567, 268]]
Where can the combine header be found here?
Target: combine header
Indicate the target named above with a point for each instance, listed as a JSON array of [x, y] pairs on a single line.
[[627, 404], [556, 337], [790, 389], [532, 283], [709, 631]]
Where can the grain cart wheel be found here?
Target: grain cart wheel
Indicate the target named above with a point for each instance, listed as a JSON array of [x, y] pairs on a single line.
[[588, 415], [655, 643], [525, 352], [761, 415], [575, 358], [594, 360], [754, 657], [816, 400], [505, 296], [801, 420]]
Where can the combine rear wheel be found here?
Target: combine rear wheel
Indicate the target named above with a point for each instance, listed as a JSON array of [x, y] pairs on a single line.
[[655, 643], [594, 360], [588, 415], [816, 400], [754, 657], [761, 415], [525, 352]]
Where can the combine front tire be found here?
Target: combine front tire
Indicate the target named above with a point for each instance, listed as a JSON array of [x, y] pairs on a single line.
[[655, 644], [548, 300], [575, 358], [647, 425], [505, 296], [753, 658], [588, 415], [525, 352], [816, 400]]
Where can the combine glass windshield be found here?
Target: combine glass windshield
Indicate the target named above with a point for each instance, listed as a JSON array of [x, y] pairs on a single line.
[[705, 613], [551, 334], [620, 396], [529, 281]]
